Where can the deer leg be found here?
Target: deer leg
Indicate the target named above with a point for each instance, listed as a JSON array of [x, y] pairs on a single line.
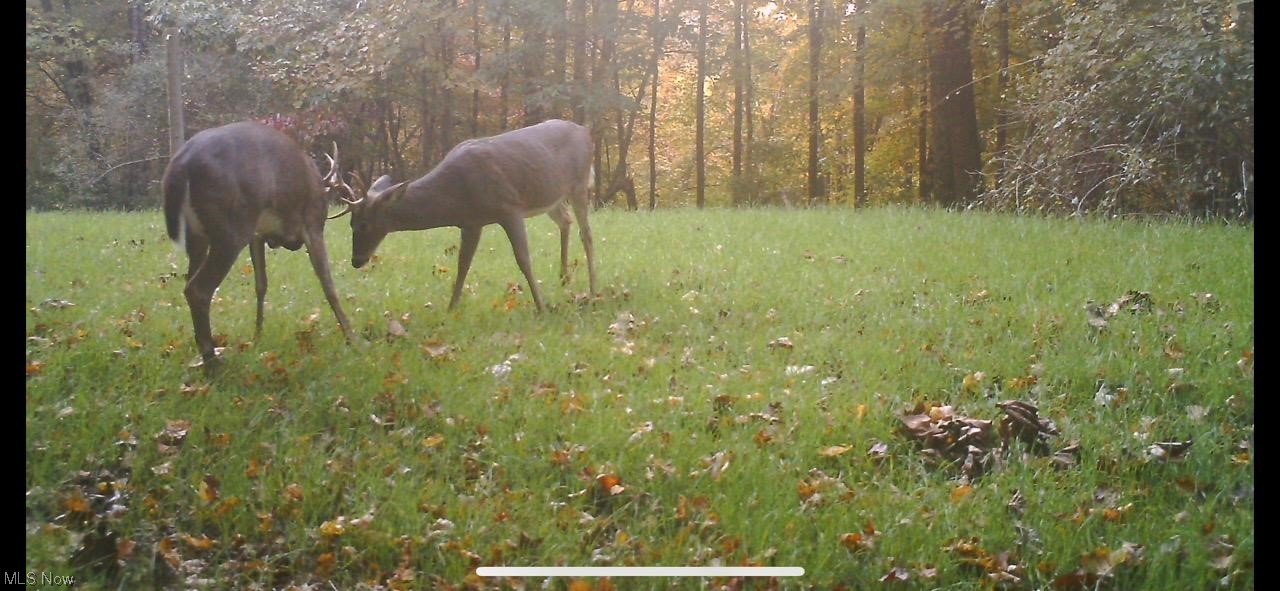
[[199, 293], [258, 254], [467, 250], [516, 233], [561, 216], [580, 207], [197, 249], [320, 262]]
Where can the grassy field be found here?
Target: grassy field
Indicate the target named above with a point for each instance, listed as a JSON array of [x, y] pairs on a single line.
[[750, 388]]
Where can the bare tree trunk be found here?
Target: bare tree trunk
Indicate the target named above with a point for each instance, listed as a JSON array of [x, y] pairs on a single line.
[[445, 31], [560, 56], [177, 123], [922, 141], [1002, 83], [738, 89], [860, 110], [955, 152], [138, 26], [816, 191], [653, 104], [699, 153], [505, 87], [748, 108], [581, 84], [475, 45]]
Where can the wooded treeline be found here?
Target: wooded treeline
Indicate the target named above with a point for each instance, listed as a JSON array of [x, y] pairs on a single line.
[[1116, 106]]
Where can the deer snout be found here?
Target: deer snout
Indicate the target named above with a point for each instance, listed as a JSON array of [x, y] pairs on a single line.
[[357, 263]]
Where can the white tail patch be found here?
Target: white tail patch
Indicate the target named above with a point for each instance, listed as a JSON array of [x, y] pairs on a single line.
[[187, 222], [591, 175]]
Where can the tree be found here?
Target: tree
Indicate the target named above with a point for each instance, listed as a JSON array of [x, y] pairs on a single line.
[[955, 154], [700, 155], [860, 108], [816, 191]]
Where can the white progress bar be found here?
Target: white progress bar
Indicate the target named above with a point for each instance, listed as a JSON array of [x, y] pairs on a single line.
[[640, 571]]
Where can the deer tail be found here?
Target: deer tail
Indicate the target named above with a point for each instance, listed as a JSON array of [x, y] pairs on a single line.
[[176, 194]]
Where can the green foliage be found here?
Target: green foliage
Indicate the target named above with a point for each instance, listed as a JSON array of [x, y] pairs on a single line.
[[736, 387], [1140, 107]]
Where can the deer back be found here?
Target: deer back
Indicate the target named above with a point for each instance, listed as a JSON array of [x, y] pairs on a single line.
[[244, 178]]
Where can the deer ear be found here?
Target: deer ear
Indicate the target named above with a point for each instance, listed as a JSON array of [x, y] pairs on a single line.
[[383, 188]]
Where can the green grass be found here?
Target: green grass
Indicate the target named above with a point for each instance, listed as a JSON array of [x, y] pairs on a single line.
[[454, 467]]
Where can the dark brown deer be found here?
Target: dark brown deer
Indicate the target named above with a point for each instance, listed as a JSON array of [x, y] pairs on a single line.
[[244, 184], [495, 180]]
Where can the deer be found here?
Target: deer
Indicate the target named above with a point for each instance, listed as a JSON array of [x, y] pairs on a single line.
[[503, 179], [245, 184]]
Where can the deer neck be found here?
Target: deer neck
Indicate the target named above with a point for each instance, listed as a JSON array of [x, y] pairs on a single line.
[[426, 203]]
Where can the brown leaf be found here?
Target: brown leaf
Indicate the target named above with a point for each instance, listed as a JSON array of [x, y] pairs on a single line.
[[856, 541], [201, 543], [896, 574], [174, 433], [436, 349], [781, 343], [209, 489], [395, 330], [293, 492]]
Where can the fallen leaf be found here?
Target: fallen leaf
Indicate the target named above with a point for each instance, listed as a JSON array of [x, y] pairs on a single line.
[[209, 489], [201, 543], [395, 330], [435, 349], [781, 343], [834, 451], [896, 574], [960, 492]]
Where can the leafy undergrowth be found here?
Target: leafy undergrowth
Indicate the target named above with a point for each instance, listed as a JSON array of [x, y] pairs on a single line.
[[888, 398]]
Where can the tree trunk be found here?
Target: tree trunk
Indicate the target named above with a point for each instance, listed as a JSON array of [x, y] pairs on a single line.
[[653, 104], [560, 56], [139, 29], [445, 31], [475, 45], [860, 110], [699, 154], [535, 41], [748, 109], [177, 123], [1002, 83], [738, 17], [922, 140], [580, 82], [955, 152], [815, 132], [504, 88]]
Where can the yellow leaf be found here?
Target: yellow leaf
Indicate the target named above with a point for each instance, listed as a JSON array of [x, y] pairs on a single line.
[[201, 543], [862, 411], [834, 450], [334, 528], [961, 492], [433, 440]]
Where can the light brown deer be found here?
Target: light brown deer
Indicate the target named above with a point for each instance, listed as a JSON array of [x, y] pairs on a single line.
[[495, 180], [244, 184]]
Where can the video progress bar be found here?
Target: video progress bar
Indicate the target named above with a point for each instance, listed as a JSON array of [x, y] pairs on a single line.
[[640, 571]]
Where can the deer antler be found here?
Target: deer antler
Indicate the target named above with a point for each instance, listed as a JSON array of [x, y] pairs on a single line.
[[334, 180]]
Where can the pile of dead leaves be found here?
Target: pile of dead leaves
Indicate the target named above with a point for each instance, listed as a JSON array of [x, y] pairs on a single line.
[[948, 437]]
